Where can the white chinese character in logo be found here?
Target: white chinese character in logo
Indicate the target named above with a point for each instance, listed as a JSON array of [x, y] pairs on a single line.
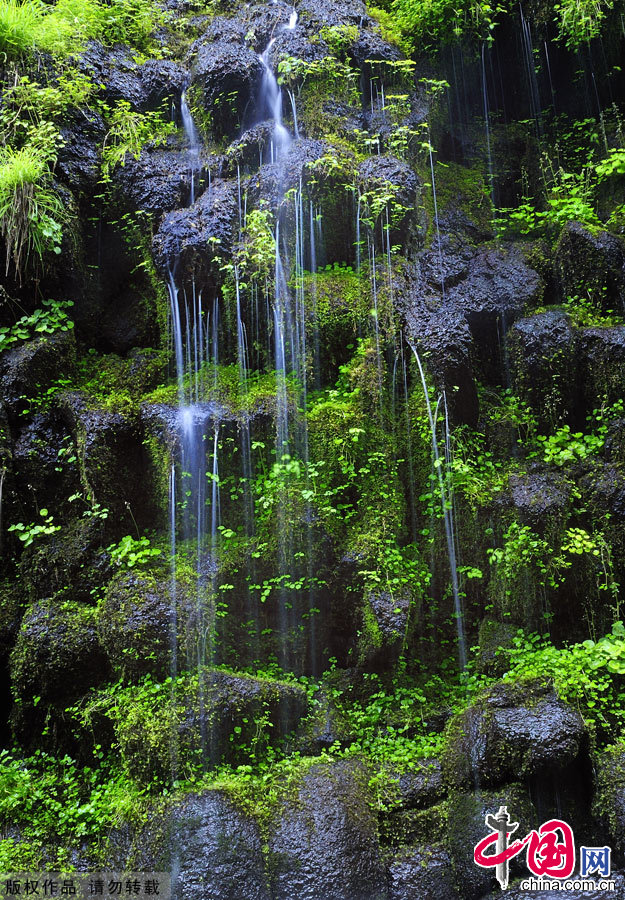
[[594, 861]]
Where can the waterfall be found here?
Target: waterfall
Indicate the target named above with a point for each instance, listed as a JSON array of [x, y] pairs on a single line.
[[270, 99], [447, 506], [193, 140]]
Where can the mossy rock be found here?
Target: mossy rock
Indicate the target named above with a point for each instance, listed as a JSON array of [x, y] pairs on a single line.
[[56, 660], [12, 605], [145, 623], [512, 731], [590, 263], [406, 827], [68, 564], [197, 720], [57, 654], [493, 640], [28, 371]]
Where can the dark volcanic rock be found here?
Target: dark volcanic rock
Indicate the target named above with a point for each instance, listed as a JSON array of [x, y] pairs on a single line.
[[511, 732], [113, 461], [214, 716], [188, 239], [78, 163], [542, 354], [159, 181], [324, 844], [601, 358], [442, 336], [422, 873], [226, 68], [145, 86], [44, 460], [30, 369], [497, 289], [216, 851], [137, 619], [539, 497], [423, 786], [589, 263], [466, 826], [333, 12]]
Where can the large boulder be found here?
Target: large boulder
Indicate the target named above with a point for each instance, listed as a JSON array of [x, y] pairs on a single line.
[[216, 851], [442, 336], [78, 163], [57, 658], [541, 499], [513, 731], [159, 181], [203, 718], [601, 359], [144, 620], [146, 86], [227, 72], [498, 289], [324, 842], [591, 263], [45, 462], [112, 462]]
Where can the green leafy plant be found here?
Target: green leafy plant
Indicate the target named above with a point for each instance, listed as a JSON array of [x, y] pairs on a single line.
[[30, 533], [49, 318], [129, 132], [133, 553], [32, 214]]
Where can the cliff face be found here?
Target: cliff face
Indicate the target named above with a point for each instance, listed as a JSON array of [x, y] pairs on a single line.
[[312, 363]]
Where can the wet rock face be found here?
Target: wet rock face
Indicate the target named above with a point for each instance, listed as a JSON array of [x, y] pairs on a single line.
[[78, 162], [31, 368], [136, 622], [540, 498], [42, 460], [513, 732], [422, 787], [216, 851], [146, 86], [57, 658], [325, 842], [227, 71], [422, 873], [466, 826], [601, 355], [591, 264], [498, 287], [160, 180], [387, 175], [543, 362], [113, 461], [443, 337], [180, 245]]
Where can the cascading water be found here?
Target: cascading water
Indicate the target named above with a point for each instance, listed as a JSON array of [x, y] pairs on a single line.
[[193, 140], [447, 506]]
